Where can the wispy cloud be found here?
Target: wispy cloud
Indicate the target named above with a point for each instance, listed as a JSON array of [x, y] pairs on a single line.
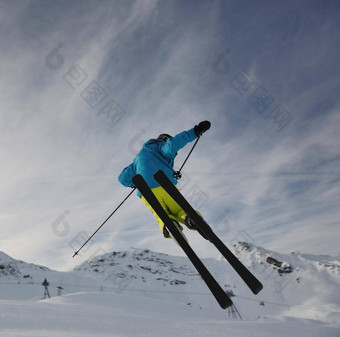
[[154, 59]]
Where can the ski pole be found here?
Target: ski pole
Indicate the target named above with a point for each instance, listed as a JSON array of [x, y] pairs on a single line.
[[177, 174], [76, 253]]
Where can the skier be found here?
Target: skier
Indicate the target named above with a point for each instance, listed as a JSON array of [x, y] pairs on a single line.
[[159, 154]]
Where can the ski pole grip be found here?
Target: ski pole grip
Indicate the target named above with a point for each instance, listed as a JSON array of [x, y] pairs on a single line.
[[177, 175]]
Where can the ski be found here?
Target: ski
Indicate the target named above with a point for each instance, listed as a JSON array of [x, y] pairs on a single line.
[[220, 295], [252, 282]]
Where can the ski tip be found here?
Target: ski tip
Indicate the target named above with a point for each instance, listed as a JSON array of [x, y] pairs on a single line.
[[227, 304], [258, 288]]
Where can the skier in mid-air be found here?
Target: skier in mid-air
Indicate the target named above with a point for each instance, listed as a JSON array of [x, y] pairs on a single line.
[[159, 154]]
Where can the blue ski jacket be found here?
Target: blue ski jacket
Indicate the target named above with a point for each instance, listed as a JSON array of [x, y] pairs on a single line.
[[156, 155]]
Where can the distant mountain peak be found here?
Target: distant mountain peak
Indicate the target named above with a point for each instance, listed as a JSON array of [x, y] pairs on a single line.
[[292, 279]]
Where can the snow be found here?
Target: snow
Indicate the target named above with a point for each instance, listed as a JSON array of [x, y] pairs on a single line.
[[103, 314], [144, 293]]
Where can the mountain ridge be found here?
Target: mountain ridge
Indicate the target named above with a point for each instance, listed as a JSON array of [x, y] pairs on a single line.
[[294, 284]]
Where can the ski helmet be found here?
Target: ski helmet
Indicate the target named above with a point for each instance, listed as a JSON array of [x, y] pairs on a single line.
[[164, 136]]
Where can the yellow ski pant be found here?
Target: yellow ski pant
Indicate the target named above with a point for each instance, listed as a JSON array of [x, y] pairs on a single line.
[[170, 206]]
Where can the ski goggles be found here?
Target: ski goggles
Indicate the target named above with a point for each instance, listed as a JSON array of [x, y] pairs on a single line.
[[164, 136]]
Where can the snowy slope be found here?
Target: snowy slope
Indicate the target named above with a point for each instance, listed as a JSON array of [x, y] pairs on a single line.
[[305, 286], [112, 314], [144, 293], [21, 281]]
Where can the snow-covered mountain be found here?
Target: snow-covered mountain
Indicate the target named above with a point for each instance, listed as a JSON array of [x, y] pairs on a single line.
[[23, 281], [305, 284], [298, 288]]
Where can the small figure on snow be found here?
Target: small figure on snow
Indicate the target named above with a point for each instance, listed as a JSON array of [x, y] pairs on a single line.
[[159, 154]]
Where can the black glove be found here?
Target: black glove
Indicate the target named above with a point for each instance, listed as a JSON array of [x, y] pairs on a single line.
[[202, 127]]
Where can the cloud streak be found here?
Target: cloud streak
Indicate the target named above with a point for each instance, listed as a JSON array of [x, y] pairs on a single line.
[[156, 60]]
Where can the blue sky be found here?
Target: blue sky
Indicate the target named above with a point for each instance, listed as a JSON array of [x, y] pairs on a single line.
[[85, 83]]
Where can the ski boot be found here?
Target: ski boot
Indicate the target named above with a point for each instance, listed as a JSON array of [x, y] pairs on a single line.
[[191, 225], [167, 234]]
